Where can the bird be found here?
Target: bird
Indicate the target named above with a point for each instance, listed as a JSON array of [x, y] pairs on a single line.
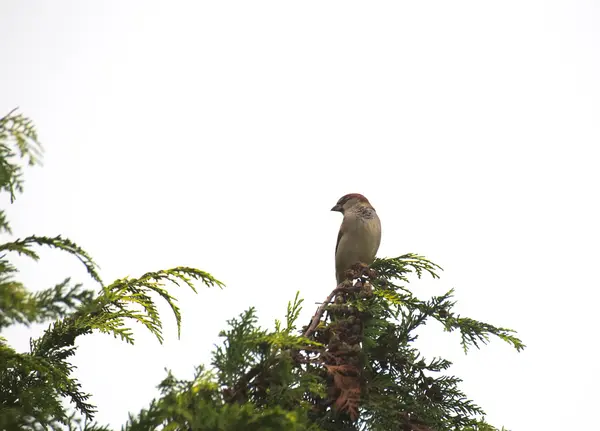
[[359, 236]]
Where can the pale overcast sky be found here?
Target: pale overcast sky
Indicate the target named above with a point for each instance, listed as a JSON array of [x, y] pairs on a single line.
[[219, 134]]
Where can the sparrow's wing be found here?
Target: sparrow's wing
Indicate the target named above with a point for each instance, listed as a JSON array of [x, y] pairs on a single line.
[[340, 234], [343, 230]]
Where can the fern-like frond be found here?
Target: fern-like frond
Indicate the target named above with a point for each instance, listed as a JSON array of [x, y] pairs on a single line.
[[16, 133], [473, 333], [399, 267], [18, 305], [24, 247], [137, 290]]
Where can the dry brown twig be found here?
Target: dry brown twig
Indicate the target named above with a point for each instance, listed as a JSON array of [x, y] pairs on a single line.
[[317, 317]]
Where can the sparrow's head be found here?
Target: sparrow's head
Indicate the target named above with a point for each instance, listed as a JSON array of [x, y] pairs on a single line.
[[348, 201]]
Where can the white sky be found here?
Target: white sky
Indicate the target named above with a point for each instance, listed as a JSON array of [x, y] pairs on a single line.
[[219, 135]]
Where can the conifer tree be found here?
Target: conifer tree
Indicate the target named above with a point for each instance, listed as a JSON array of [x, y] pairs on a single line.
[[354, 366]]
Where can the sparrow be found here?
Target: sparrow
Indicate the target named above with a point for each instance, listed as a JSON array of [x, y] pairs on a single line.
[[359, 236]]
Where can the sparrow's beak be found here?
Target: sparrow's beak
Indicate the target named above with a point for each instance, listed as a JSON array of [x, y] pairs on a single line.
[[338, 207]]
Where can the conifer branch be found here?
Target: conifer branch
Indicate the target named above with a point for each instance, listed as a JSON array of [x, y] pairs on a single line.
[[18, 130], [24, 247]]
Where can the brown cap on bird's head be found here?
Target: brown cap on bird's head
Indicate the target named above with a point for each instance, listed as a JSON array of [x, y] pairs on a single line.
[[356, 196]]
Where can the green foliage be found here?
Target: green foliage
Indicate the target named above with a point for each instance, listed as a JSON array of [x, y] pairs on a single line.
[[401, 301], [259, 375], [254, 384], [35, 384], [197, 405], [354, 367], [400, 378], [18, 140]]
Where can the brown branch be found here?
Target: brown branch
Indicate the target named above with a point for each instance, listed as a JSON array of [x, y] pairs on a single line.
[[317, 317]]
